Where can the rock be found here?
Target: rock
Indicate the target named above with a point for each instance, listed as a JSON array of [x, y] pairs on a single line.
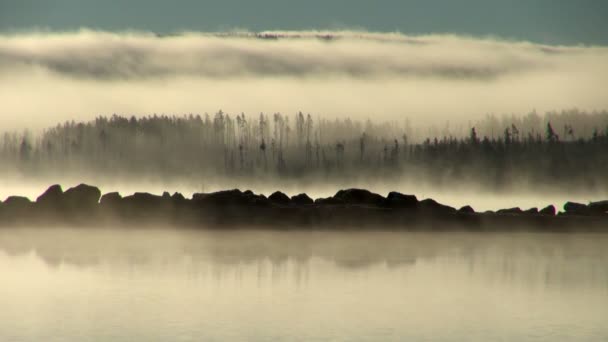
[[51, 197], [359, 197], [302, 199], [515, 210], [141, 200], [82, 196], [178, 197], [399, 200], [600, 207], [467, 209], [166, 195], [17, 201], [548, 210], [576, 208], [531, 211], [224, 198], [279, 198], [328, 201], [434, 207], [111, 199]]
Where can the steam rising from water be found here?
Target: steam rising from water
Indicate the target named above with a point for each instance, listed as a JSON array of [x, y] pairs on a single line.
[[48, 77]]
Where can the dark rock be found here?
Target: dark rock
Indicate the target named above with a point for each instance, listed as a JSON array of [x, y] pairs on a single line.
[[531, 211], [467, 209], [576, 208], [248, 193], [600, 207], [143, 200], [224, 198], [51, 197], [82, 196], [178, 197], [434, 207], [399, 200], [548, 210], [166, 195], [17, 201], [110, 199], [279, 198], [359, 197], [302, 199], [515, 210], [328, 201]]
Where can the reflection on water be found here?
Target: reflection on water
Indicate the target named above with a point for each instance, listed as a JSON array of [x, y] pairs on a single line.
[[176, 285]]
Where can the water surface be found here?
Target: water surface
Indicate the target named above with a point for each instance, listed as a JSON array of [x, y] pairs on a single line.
[[181, 285]]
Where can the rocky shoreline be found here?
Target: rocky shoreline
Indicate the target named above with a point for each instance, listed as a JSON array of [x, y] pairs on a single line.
[[84, 205]]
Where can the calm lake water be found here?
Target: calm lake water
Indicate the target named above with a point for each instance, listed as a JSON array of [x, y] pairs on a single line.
[[180, 285]]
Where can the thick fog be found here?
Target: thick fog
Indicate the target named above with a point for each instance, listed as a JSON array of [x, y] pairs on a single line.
[[46, 77]]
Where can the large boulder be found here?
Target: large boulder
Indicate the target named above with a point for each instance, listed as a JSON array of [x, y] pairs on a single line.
[[467, 209], [229, 198], [82, 196], [53, 196], [328, 201], [301, 199], [143, 200], [510, 211], [531, 211], [16, 201], [280, 198], [575, 208], [110, 199], [399, 200], [548, 210], [431, 206], [359, 197], [600, 207]]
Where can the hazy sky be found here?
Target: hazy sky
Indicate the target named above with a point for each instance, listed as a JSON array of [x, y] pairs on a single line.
[[543, 21]]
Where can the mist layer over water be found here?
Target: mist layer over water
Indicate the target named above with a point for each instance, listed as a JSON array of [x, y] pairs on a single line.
[[49, 77], [187, 285]]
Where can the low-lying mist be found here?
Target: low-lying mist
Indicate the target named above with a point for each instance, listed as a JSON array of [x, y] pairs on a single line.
[[46, 77]]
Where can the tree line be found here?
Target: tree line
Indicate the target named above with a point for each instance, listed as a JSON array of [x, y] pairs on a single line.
[[567, 149]]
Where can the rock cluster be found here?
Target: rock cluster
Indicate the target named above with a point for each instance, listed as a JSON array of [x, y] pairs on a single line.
[[85, 202]]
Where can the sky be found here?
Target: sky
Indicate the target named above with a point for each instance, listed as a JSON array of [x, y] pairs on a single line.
[[541, 21], [426, 61]]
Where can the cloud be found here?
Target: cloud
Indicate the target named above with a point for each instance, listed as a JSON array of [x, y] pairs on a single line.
[[52, 76]]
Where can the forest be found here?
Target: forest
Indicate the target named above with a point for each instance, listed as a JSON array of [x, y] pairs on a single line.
[[566, 149]]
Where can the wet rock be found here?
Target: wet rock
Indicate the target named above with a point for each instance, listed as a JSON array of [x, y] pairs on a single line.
[[110, 199], [278, 197], [575, 208], [600, 207], [302, 199], [399, 200], [467, 209], [548, 210], [432, 206], [515, 210], [53, 196], [359, 197], [82, 196]]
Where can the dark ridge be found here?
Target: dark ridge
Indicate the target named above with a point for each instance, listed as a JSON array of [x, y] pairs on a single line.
[[84, 205]]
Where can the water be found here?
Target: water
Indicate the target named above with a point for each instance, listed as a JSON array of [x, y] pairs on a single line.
[[179, 285]]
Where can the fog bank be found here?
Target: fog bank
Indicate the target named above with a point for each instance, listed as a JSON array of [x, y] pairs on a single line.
[[48, 77]]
